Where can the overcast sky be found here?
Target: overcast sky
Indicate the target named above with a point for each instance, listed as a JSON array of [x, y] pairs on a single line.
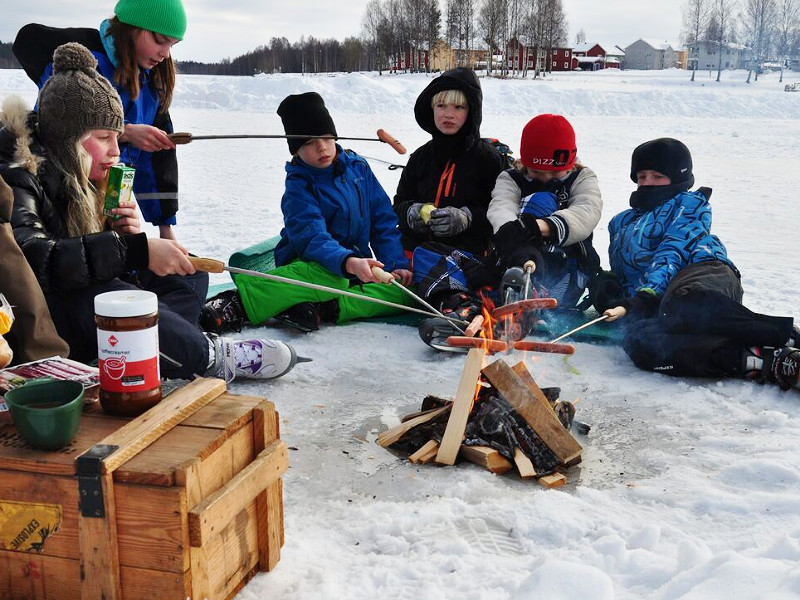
[[218, 29]]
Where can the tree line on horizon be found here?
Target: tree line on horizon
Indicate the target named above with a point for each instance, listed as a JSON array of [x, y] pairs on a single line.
[[391, 27]]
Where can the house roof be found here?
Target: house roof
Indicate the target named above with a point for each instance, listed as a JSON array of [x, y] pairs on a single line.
[[586, 46]]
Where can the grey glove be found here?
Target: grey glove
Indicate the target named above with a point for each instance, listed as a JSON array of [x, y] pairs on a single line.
[[414, 218], [450, 221]]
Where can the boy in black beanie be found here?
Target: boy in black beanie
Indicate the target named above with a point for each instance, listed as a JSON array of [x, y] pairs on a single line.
[[335, 216], [681, 292]]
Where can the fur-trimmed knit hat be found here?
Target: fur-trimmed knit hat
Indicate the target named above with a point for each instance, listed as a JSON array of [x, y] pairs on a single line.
[[77, 98], [668, 156], [305, 114], [166, 17], [548, 144]]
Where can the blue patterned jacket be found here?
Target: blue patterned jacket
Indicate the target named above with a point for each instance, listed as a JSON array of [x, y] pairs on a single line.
[[648, 248]]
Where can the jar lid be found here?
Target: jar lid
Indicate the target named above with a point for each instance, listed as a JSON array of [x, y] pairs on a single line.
[[126, 303]]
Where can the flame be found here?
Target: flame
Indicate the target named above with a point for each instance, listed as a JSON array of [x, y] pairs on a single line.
[[487, 333]]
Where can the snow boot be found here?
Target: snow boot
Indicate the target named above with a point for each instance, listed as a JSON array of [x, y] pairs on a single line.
[[223, 313], [460, 305], [435, 331], [773, 365], [250, 359], [307, 316]]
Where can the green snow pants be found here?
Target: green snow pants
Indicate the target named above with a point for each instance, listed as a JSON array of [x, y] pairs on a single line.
[[264, 298]]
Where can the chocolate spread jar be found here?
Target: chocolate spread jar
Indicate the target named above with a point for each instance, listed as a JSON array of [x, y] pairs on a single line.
[[127, 351]]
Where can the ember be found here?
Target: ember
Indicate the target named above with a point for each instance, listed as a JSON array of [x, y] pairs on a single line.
[[499, 418]]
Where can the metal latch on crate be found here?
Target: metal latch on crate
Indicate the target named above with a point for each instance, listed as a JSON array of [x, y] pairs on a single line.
[[88, 470]]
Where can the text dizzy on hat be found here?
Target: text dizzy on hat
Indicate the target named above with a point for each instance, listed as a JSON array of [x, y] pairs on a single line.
[[305, 114], [77, 98], [548, 144], [166, 17]]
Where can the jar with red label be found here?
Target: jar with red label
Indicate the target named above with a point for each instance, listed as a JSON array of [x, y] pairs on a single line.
[[127, 351]]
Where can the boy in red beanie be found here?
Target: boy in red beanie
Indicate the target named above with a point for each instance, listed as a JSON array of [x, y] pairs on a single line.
[[545, 209]]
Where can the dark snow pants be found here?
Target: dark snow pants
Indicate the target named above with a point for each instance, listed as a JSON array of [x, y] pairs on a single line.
[[180, 299], [702, 328]]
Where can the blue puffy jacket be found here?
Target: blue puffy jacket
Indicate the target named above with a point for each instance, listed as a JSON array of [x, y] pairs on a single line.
[[648, 248], [334, 213]]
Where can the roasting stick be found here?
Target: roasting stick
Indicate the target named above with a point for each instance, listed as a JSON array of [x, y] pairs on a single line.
[[385, 277], [212, 265], [184, 137], [580, 328]]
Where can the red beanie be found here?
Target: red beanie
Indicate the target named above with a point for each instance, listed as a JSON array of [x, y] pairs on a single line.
[[548, 144]]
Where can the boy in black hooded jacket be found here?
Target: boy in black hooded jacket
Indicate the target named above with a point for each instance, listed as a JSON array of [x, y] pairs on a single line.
[[455, 171]]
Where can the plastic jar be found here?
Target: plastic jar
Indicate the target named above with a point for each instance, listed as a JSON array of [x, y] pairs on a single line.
[[127, 351]]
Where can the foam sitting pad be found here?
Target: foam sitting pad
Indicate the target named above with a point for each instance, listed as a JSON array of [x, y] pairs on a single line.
[[258, 257]]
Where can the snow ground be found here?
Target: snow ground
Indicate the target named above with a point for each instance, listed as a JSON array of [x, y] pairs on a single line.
[[688, 489]]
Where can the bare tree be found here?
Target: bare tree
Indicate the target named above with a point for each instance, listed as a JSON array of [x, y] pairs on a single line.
[[758, 20], [787, 21], [371, 25], [580, 37], [695, 21], [721, 28], [490, 23]]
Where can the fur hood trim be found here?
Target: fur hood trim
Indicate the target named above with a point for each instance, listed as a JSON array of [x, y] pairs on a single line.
[[14, 117]]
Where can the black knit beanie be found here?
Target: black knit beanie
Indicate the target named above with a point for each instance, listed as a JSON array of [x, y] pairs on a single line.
[[667, 156], [305, 114]]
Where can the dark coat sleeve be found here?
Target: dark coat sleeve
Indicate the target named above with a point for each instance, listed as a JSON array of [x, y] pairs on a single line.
[[62, 263]]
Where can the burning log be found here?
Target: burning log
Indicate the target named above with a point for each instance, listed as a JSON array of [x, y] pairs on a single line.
[[542, 421]]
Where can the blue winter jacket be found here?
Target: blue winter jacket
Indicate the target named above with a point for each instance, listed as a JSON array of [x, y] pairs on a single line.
[[334, 213], [156, 182], [648, 248]]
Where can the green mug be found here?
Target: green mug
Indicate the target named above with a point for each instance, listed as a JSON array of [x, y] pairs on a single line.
[[46, 412]]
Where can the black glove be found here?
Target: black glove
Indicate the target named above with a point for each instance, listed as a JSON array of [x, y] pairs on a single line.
[[604, 291], [519, 256], [523, 231], [414, 218], [644, 305], [450, 221]]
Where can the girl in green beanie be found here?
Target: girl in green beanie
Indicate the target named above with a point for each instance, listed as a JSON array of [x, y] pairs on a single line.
[[133, 51]]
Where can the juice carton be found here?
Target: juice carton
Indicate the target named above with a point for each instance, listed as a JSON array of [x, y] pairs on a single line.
[[120, 186]]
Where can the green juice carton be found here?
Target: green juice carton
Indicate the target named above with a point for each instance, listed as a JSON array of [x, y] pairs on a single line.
[[120, 186]]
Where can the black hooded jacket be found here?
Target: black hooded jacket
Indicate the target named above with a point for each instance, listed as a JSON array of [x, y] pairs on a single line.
[[451, 170]]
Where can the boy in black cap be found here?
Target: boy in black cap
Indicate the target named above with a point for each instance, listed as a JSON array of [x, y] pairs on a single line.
[[681, 292], [335, 216]]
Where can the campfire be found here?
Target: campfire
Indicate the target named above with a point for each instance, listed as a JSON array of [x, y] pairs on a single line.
[[500, 419]]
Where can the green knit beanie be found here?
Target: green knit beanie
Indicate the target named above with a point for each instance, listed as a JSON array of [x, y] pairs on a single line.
[[166, 17]]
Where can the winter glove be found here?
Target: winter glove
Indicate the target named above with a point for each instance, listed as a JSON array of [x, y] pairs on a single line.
[[450, 221], [414, 218], [604, 290], [539, 205], [519, 256], [523, 231], [643, 305]]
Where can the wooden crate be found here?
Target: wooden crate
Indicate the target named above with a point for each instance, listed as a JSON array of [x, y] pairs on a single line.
[[192, 501]]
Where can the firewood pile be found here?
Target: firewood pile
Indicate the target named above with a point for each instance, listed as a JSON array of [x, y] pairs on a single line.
[[499, 419]]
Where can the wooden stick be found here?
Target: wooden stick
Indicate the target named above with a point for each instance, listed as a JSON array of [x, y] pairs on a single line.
[[390, 436], [486, 457], [425, 454], [522, 372], [553, 481], [523, 464], [462, 405]]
